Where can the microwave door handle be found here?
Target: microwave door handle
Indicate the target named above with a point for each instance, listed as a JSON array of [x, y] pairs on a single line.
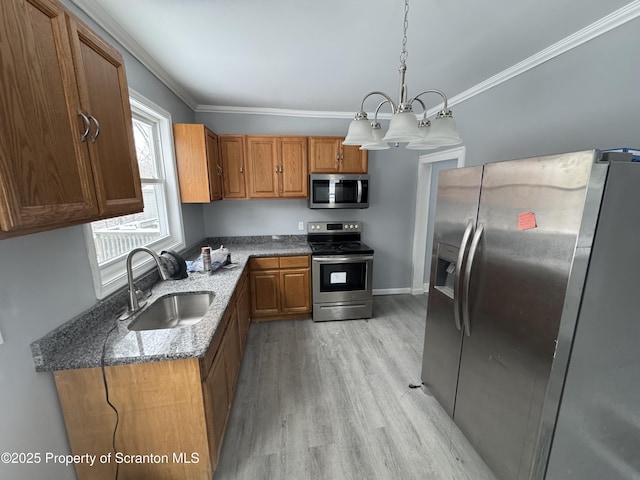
[[359, 191], [332, 192]]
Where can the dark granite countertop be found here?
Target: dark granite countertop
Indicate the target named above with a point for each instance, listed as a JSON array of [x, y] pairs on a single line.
[[79, 342]]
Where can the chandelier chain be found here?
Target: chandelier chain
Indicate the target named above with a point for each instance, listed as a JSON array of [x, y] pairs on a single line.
[[404, 53]]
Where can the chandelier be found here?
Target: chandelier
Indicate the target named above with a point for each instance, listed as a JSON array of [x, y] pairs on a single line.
[[404, 125]]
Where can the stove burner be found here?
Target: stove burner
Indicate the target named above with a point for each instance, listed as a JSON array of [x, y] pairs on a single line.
[[328, 248]]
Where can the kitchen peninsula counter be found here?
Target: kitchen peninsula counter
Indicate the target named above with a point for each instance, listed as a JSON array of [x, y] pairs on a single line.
[[79, 342]]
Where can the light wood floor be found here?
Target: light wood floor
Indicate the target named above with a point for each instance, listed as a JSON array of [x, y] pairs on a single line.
[[331, 401]]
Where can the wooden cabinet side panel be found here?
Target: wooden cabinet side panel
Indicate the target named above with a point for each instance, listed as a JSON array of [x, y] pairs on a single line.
[[295, 288], [324, 154], [45, 172], [161, 411], [262, 156], [295, 167], [191, 159], [353, 159], [233, 170], [104, 96]]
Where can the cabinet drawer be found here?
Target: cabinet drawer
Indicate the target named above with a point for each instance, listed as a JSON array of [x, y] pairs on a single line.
[[292, 262], [264, 263]]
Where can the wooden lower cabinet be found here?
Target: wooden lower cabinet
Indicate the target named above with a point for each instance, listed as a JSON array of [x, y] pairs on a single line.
[[175, 412], [280, 287]]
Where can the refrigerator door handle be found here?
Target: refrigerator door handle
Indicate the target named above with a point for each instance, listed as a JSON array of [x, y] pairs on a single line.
[[457, 284], [467, 279]]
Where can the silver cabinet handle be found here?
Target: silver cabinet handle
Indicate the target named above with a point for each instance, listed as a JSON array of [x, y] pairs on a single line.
[[241, 169], [219, 170], [87, 126], [281, 170], [457, 283], [95, 135], [467, 279]]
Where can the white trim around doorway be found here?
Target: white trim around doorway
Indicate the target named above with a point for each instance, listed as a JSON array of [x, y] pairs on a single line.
[[425, 171]]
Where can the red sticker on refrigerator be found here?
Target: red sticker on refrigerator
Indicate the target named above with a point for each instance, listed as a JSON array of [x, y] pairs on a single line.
[[527, 221]]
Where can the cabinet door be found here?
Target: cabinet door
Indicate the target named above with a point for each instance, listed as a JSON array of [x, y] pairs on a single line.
[[232, 160], [243, 305], [214, 168], [104, 96], [45, 172], [262, 167], [294, 176], [265, 293], [353, 160], [232, 352], [216, 396], [324, 154], [295, 290]]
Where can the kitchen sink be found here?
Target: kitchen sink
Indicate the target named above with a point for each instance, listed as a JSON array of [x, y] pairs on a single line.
[[173, 311]]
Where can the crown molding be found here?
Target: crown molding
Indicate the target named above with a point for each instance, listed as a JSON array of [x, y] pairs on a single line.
[[280, 112], [120, 35], [610, 22]]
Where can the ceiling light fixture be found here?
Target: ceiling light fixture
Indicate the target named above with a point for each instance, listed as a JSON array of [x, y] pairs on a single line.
[[404, 126]]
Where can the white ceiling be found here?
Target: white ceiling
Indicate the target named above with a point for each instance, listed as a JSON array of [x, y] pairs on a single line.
[[325, 55]]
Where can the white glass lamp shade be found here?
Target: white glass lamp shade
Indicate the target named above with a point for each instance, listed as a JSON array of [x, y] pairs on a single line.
[[359, 132], [402, 128], [442, 133], [419, 144], [378, 143]]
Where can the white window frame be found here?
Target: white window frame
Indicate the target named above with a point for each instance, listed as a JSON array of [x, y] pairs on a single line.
[[112, 276]]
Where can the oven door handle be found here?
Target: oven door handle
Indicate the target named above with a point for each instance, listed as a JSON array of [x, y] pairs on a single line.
[[336, 259]]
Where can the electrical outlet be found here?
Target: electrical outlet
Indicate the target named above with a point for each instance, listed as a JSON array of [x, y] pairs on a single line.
[[300, 226], [1, 339]]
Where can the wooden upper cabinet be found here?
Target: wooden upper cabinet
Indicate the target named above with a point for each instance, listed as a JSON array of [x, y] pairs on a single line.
[[45, 172], [215, 169], [294, 167], [233, 167], [277, 166], [197, 157], [104, 99], [263, 167], [66, 140], [328, 155]]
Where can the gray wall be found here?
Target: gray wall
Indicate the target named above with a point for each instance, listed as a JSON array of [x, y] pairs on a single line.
[[586, 98], [387, 223], [45, 280]]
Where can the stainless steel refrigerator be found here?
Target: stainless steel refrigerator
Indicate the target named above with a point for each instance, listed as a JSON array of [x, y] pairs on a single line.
[[532, 337]]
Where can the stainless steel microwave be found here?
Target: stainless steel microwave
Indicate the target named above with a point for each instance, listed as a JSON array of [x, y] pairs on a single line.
[[338, 191]]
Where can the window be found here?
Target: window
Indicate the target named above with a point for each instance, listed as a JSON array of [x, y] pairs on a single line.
[[159, 226]]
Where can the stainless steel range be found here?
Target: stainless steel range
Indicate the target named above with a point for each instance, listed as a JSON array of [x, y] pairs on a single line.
[[341, 271]]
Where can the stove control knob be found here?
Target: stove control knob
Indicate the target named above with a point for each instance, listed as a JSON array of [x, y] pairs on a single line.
[[351, 226], [355, 226]]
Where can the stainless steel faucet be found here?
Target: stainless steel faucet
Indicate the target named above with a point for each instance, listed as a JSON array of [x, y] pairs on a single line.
[[134, 303]]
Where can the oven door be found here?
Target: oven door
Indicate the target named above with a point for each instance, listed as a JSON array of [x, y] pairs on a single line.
[[341, 278]]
